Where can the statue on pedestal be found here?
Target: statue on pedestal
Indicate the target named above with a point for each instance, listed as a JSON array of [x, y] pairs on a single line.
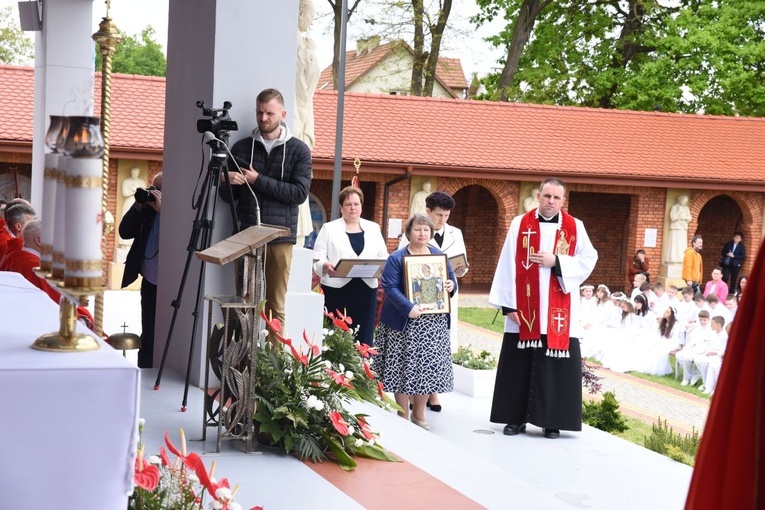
[[307, 77], [418, 200], [679, 218], [129, 186]]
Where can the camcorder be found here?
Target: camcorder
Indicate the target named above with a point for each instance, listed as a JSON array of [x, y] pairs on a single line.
[[219, 122], [143, 195]]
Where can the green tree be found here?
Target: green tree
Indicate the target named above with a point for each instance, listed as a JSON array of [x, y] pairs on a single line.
[[142, 56], [15, 47], [702, 56], [337, 13]]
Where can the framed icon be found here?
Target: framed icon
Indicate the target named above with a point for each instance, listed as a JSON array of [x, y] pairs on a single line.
[[426, 276]]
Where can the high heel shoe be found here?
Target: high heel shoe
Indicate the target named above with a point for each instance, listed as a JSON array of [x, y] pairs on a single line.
[[419, 423], [433, 407]]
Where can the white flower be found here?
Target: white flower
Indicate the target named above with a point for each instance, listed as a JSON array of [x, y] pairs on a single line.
[[223, 493], [287, 371], [233, 505], [351, 430], [141, 422], [192, 477], [215, 505], [348, 375], [324, 348], [314, 403], [341, 367], [371, 442], [154, 459], [327, 364], [359, 443], [264, 333]]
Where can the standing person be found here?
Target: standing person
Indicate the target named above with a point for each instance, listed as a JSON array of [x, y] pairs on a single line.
[[415, 359], [350, 237], [546, 256], [271, 189], [141, 223], [448, 239], [733, 254], [693, 266], [716, 285], [640, 265]]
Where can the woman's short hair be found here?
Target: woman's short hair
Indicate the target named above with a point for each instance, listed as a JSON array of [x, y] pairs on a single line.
[[418, 219], [350, 190]]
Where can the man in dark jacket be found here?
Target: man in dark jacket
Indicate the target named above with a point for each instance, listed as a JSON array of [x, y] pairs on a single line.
[[141, 222], [278, 178], [733, 255]]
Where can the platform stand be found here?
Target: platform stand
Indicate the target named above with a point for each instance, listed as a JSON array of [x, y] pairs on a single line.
[[232, 348]]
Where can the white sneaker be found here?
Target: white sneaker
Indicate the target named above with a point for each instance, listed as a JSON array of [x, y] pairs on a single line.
[[694, 379], [684, 383], [709, 391], [702, 388]]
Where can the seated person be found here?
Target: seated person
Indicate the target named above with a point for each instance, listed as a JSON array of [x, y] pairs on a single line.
[[716, 350], [714, 307], [25, 260], [696, 344]]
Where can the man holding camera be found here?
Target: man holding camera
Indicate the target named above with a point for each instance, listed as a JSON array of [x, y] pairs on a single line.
[[141, 222], [278, 175]]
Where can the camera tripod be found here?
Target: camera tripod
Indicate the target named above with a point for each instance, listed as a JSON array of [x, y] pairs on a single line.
[[201, 235]]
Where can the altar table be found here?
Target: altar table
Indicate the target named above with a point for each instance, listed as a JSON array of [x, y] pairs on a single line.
[[69, 420]]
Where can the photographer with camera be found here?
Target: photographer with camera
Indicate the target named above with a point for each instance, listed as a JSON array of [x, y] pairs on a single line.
[[141, 222], [279, 176]]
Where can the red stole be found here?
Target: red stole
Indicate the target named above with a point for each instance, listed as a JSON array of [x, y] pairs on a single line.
[[527, 287]]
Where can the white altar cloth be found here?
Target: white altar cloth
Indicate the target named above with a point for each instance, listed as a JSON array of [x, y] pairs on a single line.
[[68, 421]]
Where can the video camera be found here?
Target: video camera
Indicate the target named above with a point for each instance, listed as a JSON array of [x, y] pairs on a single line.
[[219, 121]]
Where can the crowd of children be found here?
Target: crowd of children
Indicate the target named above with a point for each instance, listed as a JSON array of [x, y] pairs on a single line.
[[639, 332]]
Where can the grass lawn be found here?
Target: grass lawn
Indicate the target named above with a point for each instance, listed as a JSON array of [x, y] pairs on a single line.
[[670, 381], [486, 318]]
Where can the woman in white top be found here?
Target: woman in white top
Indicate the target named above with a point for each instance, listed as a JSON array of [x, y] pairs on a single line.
[[350, 237]]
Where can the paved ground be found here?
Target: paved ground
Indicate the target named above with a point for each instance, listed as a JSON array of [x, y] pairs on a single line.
[[638, 398]]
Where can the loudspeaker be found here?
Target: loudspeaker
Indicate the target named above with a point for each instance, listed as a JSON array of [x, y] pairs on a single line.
[[29, 16]]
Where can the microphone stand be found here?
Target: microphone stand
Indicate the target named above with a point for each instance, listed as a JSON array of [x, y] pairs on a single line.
[[201, 235]]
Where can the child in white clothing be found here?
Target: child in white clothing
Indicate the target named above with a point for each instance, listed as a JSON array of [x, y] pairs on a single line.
[[696, 344], [713, 356]]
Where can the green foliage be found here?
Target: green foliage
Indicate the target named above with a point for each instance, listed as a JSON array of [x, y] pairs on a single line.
[[132, 55], [15, 47], [604, 415], [466, 357], [701, 56], [666, 441], [299, 394]]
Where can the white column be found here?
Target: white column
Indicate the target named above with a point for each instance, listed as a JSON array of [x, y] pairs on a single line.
[[64, 59], [217, 51]]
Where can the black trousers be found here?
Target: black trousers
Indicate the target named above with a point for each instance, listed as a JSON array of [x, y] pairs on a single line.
[[148, 316], [730, 277]]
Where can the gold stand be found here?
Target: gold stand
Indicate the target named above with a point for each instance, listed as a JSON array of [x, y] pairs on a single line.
[[68, 339]]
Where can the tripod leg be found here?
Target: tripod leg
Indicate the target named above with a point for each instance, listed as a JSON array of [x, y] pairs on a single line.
[[185, 400]]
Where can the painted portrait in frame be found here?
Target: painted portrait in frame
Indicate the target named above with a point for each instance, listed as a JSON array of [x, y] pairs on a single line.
[[425, 277]]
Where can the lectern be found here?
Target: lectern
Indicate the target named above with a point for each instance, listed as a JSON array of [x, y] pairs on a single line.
[[232, 348]]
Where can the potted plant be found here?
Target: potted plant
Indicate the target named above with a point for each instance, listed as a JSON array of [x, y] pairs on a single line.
[[474, 374]]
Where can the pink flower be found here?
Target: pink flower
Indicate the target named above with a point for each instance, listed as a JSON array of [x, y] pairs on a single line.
[[365, 350], [365, 430], [340, 425], [339, 378]]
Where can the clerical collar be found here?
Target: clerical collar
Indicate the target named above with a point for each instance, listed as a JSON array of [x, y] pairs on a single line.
[[542, 219]]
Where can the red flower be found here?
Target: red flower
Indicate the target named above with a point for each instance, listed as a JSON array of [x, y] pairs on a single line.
[[274, 324], [302, 358], [315, 349], [146, 475], [339, 378], [365, 430], [180, 454], [165, 458], [340, 425], [365, 350], [368, 370], [380, 389], [341, 321]]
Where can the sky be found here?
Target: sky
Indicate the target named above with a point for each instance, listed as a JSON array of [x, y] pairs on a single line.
[[132, 16]]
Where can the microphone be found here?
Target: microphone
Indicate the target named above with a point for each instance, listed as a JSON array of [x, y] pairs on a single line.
[[208, 137]]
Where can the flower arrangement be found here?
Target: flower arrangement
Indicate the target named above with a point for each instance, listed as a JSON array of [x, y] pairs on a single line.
[[301, 395], [467, 358], [181, 484]]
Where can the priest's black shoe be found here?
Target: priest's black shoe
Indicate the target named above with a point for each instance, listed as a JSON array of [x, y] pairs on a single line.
[[552, 433], [514, 430]]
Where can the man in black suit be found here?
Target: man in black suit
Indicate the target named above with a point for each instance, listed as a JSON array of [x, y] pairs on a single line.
[[733, 254], [141, 222]]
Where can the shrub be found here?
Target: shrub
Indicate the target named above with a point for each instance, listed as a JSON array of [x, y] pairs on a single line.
[[604, 415], [467, 358], [666, 441]]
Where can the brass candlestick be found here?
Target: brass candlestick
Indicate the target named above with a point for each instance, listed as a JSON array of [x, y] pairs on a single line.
[[67, 339]]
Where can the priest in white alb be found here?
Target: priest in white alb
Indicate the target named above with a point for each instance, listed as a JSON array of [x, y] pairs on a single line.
[[547, 255]]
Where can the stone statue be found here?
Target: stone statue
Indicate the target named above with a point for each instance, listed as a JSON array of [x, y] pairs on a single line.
[[530, 202], [129, 185], [307, 77], [679, 218], [418, 200]]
